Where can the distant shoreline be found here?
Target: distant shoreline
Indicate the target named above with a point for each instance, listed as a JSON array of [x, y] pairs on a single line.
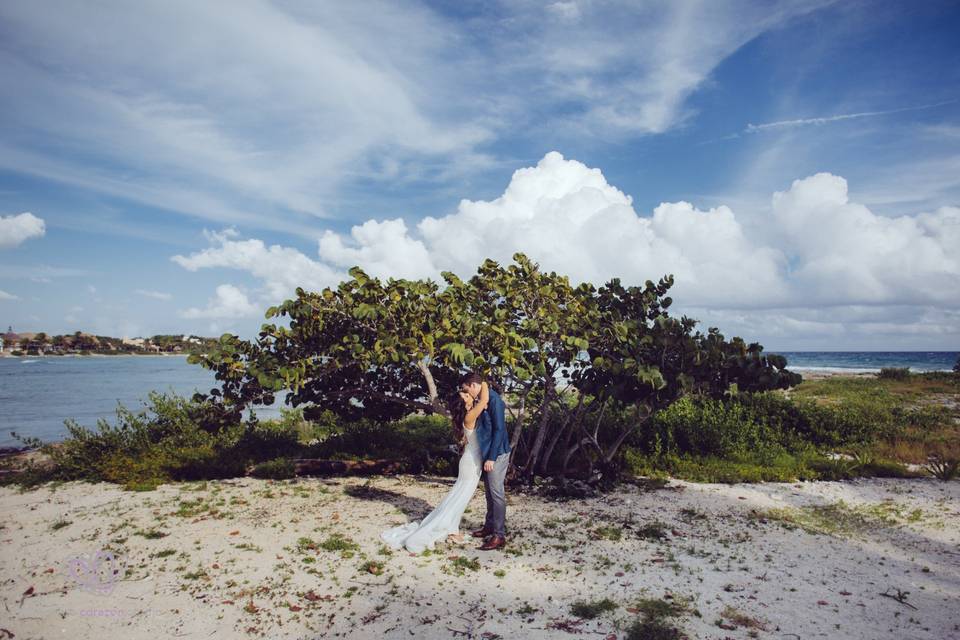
[[91, 355], [809, 373]]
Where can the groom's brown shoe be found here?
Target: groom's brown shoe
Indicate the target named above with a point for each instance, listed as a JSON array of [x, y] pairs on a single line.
[[493, 542], [482, 532]]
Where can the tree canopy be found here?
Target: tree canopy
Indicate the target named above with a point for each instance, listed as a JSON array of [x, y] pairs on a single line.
[[562, 355]]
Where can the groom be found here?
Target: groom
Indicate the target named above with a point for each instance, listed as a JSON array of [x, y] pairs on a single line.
[[495, 449]]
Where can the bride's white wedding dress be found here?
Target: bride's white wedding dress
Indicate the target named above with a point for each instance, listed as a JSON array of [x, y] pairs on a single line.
[[445, 518]]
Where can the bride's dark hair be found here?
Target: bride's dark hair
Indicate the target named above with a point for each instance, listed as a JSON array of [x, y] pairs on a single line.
[[458, 412]]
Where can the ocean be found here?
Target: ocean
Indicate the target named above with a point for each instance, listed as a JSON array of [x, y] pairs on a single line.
[[868, 361], [37, 394]]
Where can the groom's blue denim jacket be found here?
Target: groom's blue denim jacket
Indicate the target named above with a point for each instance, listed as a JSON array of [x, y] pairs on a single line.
[[492, 429]]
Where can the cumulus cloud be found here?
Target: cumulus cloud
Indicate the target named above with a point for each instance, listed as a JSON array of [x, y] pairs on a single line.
[[814, 247], [229, 302], [15, 229], [159, 295], [383, 248], [846, 253], [281, 269], [7, 296]]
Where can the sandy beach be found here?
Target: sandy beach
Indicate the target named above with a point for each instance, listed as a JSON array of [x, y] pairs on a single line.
[[250, 558]]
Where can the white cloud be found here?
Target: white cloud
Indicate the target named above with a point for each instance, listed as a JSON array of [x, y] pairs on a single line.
[[626, 68], [568, 218], [264, 105], [846, 253], [814, 267], [229, 302], [159, 295], [7, 296], [15, 229], [384, 248], [799, 122], [565, 10], [260, 115], [847, 327], [281, 269]]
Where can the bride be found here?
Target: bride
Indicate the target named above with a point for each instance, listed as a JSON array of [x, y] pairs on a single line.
[[444, 520]]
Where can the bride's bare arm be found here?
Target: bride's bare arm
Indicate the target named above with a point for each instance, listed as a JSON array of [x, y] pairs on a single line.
[[479, 405]]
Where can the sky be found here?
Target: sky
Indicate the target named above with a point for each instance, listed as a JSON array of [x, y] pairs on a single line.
[[179, 167]]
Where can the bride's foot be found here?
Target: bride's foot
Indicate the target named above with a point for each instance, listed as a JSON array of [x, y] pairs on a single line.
[[455, 537]]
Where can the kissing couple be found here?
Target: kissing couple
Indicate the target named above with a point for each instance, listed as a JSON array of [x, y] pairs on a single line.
[[477, 412]]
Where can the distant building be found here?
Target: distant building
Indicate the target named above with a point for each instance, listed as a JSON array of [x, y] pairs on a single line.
[[11, 339], [135, 342]]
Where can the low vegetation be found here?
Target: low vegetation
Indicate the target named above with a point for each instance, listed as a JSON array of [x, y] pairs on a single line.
[[831, 429], [599, 382]]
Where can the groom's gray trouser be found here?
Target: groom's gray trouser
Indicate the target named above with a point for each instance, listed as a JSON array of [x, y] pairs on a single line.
[[496, 498]]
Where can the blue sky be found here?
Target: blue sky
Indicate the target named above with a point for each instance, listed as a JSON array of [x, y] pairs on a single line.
[[179, 167]]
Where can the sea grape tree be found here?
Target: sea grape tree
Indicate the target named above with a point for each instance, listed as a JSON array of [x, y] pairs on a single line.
[[562, 355]]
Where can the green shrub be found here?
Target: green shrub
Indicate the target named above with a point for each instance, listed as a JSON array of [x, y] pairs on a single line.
[[277, 469], [654, 629], [591, 610], [173, 438], [767, 425], [420, 441], [894, 373], [806, 464], [705, 426], [338, 542], [268, 440], [888, 469]]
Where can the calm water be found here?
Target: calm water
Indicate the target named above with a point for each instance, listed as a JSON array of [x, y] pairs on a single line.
[[38, 394]]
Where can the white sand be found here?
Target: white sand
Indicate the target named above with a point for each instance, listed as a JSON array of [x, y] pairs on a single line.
[[796, 584]]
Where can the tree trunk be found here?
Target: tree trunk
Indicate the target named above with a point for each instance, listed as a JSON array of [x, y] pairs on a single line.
[[575, 416], [612, 451], [534, 454], [431, 387], [518, 424]]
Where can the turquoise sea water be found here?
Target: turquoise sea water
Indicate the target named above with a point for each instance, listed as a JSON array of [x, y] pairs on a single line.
[[38, 394], [868, 361]]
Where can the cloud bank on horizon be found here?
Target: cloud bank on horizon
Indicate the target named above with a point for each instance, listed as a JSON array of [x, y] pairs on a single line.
[[814, 249]]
